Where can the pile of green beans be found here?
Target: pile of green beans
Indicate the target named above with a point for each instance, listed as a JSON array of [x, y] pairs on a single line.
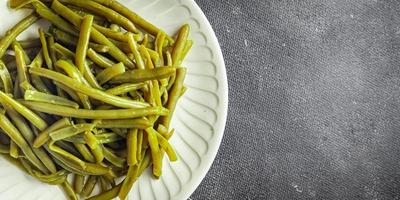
[[91, 97]]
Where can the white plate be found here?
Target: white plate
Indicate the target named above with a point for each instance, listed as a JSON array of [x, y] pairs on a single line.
[[199, 119]]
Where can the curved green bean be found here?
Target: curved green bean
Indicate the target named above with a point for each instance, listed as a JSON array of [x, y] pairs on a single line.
[[128, 182], [112, 158], [125, 88], [84, 151], [21, 64], [110, 72], [135, 50], [36, 80], [14, 150], [98, 59], [94, 93], [45, 49], [6, 78], [31, 95], [44, 136], [89, 186], [179, 45], [83, 42], [70, 131], [69, 191], [124, 123]]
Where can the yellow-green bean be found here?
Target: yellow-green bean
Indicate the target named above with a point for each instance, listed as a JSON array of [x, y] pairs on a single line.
[[89, 186], [79, 181], [128, 182], [84, 151], [110, 72], [69, 191], [141, 75], [179, 45], [14, 151], [70, 131], [44, 136], [135, 50], [131, 144], [45, 49], [99, 60], [125, 88], [6, 78], [113, 159], [31, 95], [83, 42], [155, 151]]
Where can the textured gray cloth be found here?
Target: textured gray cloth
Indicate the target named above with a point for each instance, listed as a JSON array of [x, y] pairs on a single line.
[[314, 91]]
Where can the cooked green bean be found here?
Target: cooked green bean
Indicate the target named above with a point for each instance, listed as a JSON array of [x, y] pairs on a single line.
[[95, 34], [69, 191], [64, 51], [7, 126], [45, 49], [186, 49], [67, 155], [142, 75], [99, 60], [79, 180], [90, 139], [131, 143], [110, 72], [69, 91], [179, 45], [70, 131], [89, 186], [103, 184], [14, 151], [31, 95], [135, 50], [11, 34], [30, 43], [159, 44], [125, 88], [124, 123], [56, 178], [24, 111], [83, 42], [44, 136], [155, 151], [94, 93], [98, 153], [164, 144], [21, 64], [84, 151], [102, 138], [110, 194], [174, 95], [127, 184], [36, 80], [25, 55], [6, 78]]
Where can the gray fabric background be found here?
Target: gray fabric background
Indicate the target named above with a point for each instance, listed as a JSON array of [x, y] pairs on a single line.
[[314, 100]]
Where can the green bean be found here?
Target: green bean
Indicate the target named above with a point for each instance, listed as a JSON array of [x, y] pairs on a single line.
[[174, 95], [155, 151], [44, 136], [110, 194], [48, 14], [98, 153], [5, 78], [124, 88], [188, 46], [21, 64], [145, 54], [15, 135], [162, 130], [166, 147], [115, 27], [159, 44], [142, 75], [124, 123], [45, 49], [113, 159], [179, 45], [103, 184], [131, 143], [11, 34], [36, 80], [70, 131], [139, 144], [30, 43], [95, 34], [90, 77], [52, 51], [127, 184], [56, 178], [14, 151], [48, 98], [109, 73], [99, 60], [69, 191], [24, 111], [145, 40], [25, 55], [101, 138], [135, 51], [98, 9], [119, 36], [94, 93], [84, 151], [67, 155], [83, 42], [79, 180], [89, 186], [27, 86]]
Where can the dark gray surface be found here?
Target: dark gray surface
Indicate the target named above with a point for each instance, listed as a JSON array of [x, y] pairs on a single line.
[[314, 91]]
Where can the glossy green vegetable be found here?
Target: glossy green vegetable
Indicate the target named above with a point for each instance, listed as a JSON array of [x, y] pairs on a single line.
[[31, 95], [179, 45], [131, 143], [83, 42], [36, 80], [125, 88], [70, 131], [44, 136], [110, 72], [95, 114], [89, 186], [141, 75], [45, 49], [99, 60], [79, 181], [6, 78], [11, 34], [124, 123]]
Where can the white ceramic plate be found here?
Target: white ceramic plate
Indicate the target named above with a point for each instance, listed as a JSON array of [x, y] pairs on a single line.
[[199, 120]]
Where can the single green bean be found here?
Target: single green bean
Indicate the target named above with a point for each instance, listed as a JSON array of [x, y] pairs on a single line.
[[125, 88], [98, 154], [95, 34], [103, 184], [110, 72], [102, 138], [24, 111], [179, 45], [89, 186], [113, 159], [67, 155], [99, 60], [70, 131], [69, 91], [44, 136], [135, 50], [83, 42], [14, 151], [159, 44], [139, 144], [164, 144], [25, 55], [56, 178], [5, 78], [124, 123], [131, 143], [64, 51], [21, 64], [52, 51], [94, 93], [130, 179], [84, 151], [36, 80], [110, 194], [45, 49], [69, 191], [155, 151], [174, 95], [31, 95], [11, 34], [142, 75], [186, 49], [79, 180]]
